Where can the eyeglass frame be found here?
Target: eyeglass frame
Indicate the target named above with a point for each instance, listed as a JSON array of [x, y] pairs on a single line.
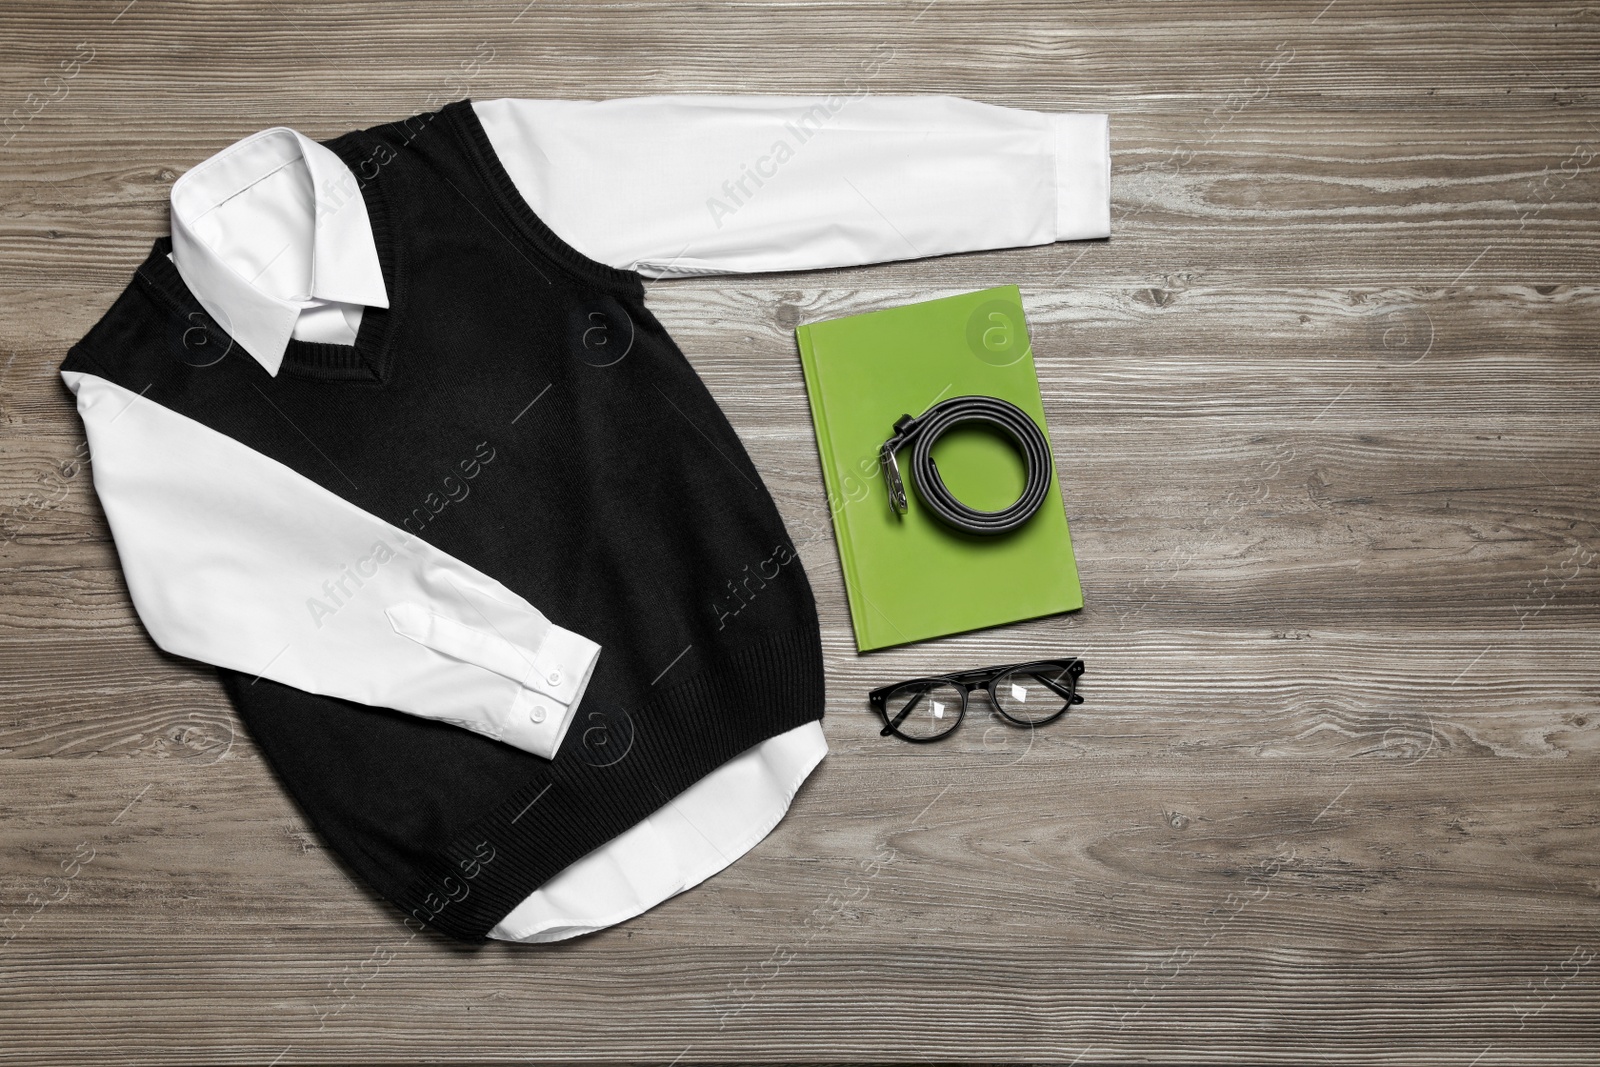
[[984, 678]]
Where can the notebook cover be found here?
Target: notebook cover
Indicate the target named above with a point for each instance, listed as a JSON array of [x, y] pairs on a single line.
[[910, 577]]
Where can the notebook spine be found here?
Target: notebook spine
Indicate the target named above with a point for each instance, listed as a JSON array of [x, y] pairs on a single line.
[[837, 500]]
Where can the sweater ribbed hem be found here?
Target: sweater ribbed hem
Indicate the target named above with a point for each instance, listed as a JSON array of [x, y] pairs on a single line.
[[674, 739]]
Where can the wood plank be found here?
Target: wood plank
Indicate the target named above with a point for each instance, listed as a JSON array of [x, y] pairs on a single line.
[[1232, 889], [1052, 837]]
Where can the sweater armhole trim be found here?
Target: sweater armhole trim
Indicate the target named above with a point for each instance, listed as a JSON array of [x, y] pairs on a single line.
[[491, 170]]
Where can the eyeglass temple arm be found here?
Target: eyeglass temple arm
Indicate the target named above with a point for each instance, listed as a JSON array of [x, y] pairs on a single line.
[[981, 675], [1064, 692], [900, 718]]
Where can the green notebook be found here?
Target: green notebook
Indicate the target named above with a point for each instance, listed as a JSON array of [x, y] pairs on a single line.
[[909, 577]]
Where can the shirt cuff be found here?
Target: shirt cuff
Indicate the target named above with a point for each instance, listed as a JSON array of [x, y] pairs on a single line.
[[1083, 176], [523, 694], [547, 702]]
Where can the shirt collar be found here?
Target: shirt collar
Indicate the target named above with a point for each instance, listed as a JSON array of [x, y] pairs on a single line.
[[331, 234]]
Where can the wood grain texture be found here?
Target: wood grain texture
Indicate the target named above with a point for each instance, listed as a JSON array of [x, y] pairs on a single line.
[[1325, 408]]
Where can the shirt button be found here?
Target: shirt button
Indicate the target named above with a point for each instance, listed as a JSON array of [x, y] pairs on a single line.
[[555, 677], [537, 713]]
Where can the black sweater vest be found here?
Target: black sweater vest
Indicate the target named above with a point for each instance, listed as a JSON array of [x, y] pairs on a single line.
[[620, 503]]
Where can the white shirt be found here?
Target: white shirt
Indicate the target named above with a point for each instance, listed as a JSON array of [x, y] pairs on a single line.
[[272, 237]]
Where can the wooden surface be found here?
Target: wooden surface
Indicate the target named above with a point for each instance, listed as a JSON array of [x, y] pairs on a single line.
[[1325, 408]]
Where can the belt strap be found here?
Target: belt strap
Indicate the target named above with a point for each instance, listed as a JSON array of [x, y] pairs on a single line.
[[924, 430]]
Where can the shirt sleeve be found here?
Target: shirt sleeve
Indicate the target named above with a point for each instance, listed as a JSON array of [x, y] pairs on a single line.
[[235, 559], [674, 186]]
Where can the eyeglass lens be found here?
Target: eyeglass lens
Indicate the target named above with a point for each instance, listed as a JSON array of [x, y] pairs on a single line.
[[924, 711], [1036, 693]]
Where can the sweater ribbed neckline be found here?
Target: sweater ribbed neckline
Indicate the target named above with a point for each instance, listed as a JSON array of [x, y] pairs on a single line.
[[371, 356]]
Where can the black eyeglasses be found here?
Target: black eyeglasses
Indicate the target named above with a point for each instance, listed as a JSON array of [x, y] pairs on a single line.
[[1023, 694]]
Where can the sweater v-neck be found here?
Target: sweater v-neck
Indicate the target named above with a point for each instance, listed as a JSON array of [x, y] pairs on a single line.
[[370, 358]]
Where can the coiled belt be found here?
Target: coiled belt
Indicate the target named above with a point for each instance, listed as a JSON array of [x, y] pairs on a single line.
[[924, 430]]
